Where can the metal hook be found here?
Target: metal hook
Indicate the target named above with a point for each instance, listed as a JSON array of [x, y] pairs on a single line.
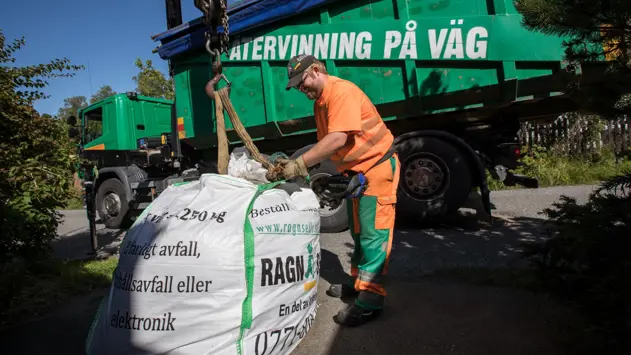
[[208, 42], [212, 84]]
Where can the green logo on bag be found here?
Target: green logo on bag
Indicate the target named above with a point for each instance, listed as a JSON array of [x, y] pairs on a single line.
[[291, 269], [309, 274]]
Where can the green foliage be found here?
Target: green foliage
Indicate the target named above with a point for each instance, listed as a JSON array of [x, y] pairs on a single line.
[[75, 202], [559, 170], [36, 162], [595, 30], [587, 261], [72, 105], [556, 170], [104, 92], [151, 82]]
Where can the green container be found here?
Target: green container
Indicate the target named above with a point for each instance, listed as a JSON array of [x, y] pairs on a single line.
[[414, 59]]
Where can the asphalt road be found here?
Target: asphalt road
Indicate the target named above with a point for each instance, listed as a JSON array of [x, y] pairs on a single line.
[[515, 213], [422, 316]]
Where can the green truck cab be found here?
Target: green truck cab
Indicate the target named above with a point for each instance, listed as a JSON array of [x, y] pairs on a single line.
[[118, 122], [453, 80]]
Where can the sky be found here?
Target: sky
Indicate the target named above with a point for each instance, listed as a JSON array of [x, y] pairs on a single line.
[[105, 36]]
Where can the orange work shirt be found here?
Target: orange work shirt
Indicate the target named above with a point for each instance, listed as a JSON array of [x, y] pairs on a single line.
[[344, 107]]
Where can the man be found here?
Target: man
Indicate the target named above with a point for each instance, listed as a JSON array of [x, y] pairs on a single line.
[[352, 134]]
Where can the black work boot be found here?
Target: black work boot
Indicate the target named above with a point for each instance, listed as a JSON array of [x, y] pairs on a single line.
[[342, 291], [355, 315]]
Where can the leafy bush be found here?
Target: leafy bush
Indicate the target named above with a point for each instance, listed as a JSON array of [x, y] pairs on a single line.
[[558, 170], [587, 260], [36, 164]]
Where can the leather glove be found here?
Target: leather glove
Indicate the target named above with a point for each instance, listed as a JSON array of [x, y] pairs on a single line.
[[293, 168]]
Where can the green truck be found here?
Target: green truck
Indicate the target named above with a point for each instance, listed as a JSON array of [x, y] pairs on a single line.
[[452, 79]]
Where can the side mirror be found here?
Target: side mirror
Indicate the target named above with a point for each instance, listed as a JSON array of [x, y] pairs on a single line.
[[73, 132], [71, 120]]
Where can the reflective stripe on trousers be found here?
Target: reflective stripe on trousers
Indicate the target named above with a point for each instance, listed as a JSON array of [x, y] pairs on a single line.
[[371, 220]]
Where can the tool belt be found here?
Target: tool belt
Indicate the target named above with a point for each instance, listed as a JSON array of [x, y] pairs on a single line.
[[349, 184]]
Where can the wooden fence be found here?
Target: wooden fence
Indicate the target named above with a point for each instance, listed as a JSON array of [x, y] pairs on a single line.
[[570, 135]]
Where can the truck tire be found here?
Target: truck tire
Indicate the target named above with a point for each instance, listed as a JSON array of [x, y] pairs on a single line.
[[112, 205], [331, 220], [435, 178]]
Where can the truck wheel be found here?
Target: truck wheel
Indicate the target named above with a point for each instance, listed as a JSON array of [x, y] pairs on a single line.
[[435, 178], [111, 204], [331, 220]]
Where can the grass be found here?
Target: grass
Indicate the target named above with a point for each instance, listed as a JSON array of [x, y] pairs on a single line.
[[75, 203], [30, 292], [553, 170]]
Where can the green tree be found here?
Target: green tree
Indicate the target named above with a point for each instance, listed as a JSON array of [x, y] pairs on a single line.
[[36, 164], [151, 82], [72, 105], [104, 92], [594, 30]]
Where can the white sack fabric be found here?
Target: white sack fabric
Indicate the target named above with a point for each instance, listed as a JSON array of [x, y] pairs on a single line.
[[242, 165], [215, 266]]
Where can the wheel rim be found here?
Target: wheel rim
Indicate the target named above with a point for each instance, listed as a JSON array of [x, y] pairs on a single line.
[[326, 211], [425, 176], [112, 204]]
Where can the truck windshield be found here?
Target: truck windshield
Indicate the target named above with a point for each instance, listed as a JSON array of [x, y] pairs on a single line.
[[93, 124]]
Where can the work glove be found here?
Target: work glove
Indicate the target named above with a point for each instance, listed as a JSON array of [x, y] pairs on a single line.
[[293, 168]]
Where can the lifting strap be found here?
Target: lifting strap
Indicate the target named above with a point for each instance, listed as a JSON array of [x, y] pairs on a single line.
[[222, 138], [222, 102]]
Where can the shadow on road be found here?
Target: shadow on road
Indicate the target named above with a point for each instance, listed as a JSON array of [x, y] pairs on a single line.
[[77, 245], [446, 318], [464, 244], [461, 241], [436, 316]]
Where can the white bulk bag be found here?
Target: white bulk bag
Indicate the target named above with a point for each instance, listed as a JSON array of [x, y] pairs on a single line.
[[215, 266]]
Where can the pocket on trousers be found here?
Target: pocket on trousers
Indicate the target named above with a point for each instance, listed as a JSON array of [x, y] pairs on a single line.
[[384, 214]]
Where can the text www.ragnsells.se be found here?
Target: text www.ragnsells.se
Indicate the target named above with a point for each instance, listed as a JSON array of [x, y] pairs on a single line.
[[289, 228]]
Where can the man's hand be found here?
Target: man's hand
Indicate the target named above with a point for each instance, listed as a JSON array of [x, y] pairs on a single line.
[[322, 150], [293, 168]]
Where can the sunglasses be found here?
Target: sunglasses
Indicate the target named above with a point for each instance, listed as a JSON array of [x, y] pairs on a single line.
[[304, 76]]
